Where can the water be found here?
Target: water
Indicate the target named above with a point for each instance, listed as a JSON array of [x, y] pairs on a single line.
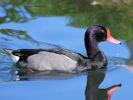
[[48, 24]]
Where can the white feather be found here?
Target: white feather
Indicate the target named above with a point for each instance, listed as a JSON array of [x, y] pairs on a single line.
[[9, 51], [15, 58]]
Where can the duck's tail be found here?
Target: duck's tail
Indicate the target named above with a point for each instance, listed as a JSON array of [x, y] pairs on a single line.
[[10, 52]]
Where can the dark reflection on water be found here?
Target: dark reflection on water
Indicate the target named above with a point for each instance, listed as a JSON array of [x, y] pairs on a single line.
[[22, 74], [93, 92]]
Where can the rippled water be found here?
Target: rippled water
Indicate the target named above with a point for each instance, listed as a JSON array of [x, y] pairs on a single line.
[[27, 27]]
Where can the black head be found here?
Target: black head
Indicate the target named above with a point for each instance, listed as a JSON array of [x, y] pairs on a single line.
[[97, 33]]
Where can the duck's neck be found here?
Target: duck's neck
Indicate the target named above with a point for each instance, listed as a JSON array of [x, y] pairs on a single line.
[[91, 45]]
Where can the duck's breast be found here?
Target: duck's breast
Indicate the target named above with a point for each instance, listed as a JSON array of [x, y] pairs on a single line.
[[51, 61]]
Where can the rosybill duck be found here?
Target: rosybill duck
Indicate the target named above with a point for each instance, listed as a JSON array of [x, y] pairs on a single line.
[[65, 60]]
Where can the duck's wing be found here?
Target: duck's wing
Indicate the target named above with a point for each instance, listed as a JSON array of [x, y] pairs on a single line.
[[71, 54], [28, 52], [23, 54]]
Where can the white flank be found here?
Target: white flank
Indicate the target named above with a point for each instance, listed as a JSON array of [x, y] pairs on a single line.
[[15, 58]]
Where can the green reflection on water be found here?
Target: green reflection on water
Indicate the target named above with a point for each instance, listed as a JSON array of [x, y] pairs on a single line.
[[20, 34], [115, 14], [14, 10]]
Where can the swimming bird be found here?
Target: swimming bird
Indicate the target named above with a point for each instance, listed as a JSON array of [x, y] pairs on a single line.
[[64, 60]]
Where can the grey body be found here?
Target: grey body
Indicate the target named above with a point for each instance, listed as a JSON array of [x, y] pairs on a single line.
[[51, 61], [57, 59]]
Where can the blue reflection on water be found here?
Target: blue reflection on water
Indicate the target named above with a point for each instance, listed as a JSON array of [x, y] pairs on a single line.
[[46, 89]]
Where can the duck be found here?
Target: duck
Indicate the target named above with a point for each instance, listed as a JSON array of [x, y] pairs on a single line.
[[65, 60]]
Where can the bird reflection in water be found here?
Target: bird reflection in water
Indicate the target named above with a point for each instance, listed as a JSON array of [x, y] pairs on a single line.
[[93, 92]]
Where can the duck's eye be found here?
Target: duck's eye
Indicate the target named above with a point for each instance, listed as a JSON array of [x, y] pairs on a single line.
[[102, 31]]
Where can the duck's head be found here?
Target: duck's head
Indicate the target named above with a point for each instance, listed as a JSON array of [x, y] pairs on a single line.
[[97, 33]]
